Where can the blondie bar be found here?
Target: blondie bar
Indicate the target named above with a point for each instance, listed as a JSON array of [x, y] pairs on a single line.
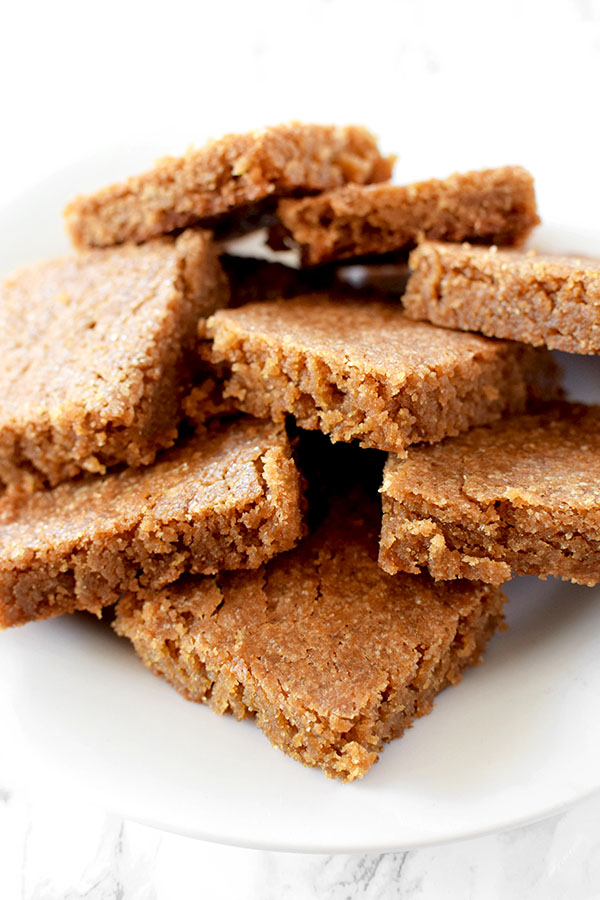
[[360, 369], [521, 495], [331, 655], [96, 354], [525, 296], [491, 206], [229, 498], [225, 177]]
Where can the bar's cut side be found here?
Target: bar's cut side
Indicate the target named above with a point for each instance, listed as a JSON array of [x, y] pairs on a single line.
[[331, 655], [544, 300], [360, 369], [97, 351], [225, 499], [520, 496], [490, 206], [224, 176]]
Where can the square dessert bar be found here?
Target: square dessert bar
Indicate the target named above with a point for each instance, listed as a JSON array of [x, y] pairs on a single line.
[[331, 655], [225, 499], [493, 206], [524, 296], [227, 175], [96, 351], [360, 369], [521, 495]]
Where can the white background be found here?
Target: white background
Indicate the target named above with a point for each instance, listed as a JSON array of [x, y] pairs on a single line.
[[446, 85]]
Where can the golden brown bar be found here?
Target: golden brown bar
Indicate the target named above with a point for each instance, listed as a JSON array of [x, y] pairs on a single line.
[[522, 496], [225, 499], [226, 176], [360, 369], [539, 299], [490, 206], [96, 352], [331, 655]]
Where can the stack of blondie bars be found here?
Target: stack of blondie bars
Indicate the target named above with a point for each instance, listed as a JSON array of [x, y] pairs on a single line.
[[297, 497]]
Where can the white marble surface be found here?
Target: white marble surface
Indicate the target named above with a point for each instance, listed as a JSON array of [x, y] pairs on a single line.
[[63, 850], [448, 86]]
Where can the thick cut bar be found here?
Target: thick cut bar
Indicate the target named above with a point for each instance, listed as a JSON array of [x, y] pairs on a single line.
[[225, 176], [524, 296], [491, 206], [225, 499], [331, 655], [360, 369], [522, 496], [96, 353]]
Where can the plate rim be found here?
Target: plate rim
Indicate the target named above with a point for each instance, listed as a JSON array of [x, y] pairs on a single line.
[[552, 809]]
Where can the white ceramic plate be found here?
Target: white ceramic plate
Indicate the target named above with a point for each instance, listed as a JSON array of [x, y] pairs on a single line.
[[516, 740]]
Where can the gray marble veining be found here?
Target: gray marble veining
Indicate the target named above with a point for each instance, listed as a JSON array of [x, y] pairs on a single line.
[[70, 851]]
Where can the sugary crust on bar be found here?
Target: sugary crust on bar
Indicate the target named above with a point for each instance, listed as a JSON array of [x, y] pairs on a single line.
[[492, 206], [524, 296], [225, 499], [226, 176], [360, 369], [96, 351], [331, 655], [520, 496]]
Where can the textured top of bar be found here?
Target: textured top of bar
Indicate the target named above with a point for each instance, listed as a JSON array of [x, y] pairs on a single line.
[[210, 475], [549, 461], [236, 171], [491, 206], [360, 369], [342, 655], [355, 334], [537, 298], [92, 350]]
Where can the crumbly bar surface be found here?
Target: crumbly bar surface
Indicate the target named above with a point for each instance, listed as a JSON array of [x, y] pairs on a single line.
[[535, 298], [226, 175], [95, 354], [225, 499], [360, 369], [493, 206], [205, 403], [520, 496], [331, 655]]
